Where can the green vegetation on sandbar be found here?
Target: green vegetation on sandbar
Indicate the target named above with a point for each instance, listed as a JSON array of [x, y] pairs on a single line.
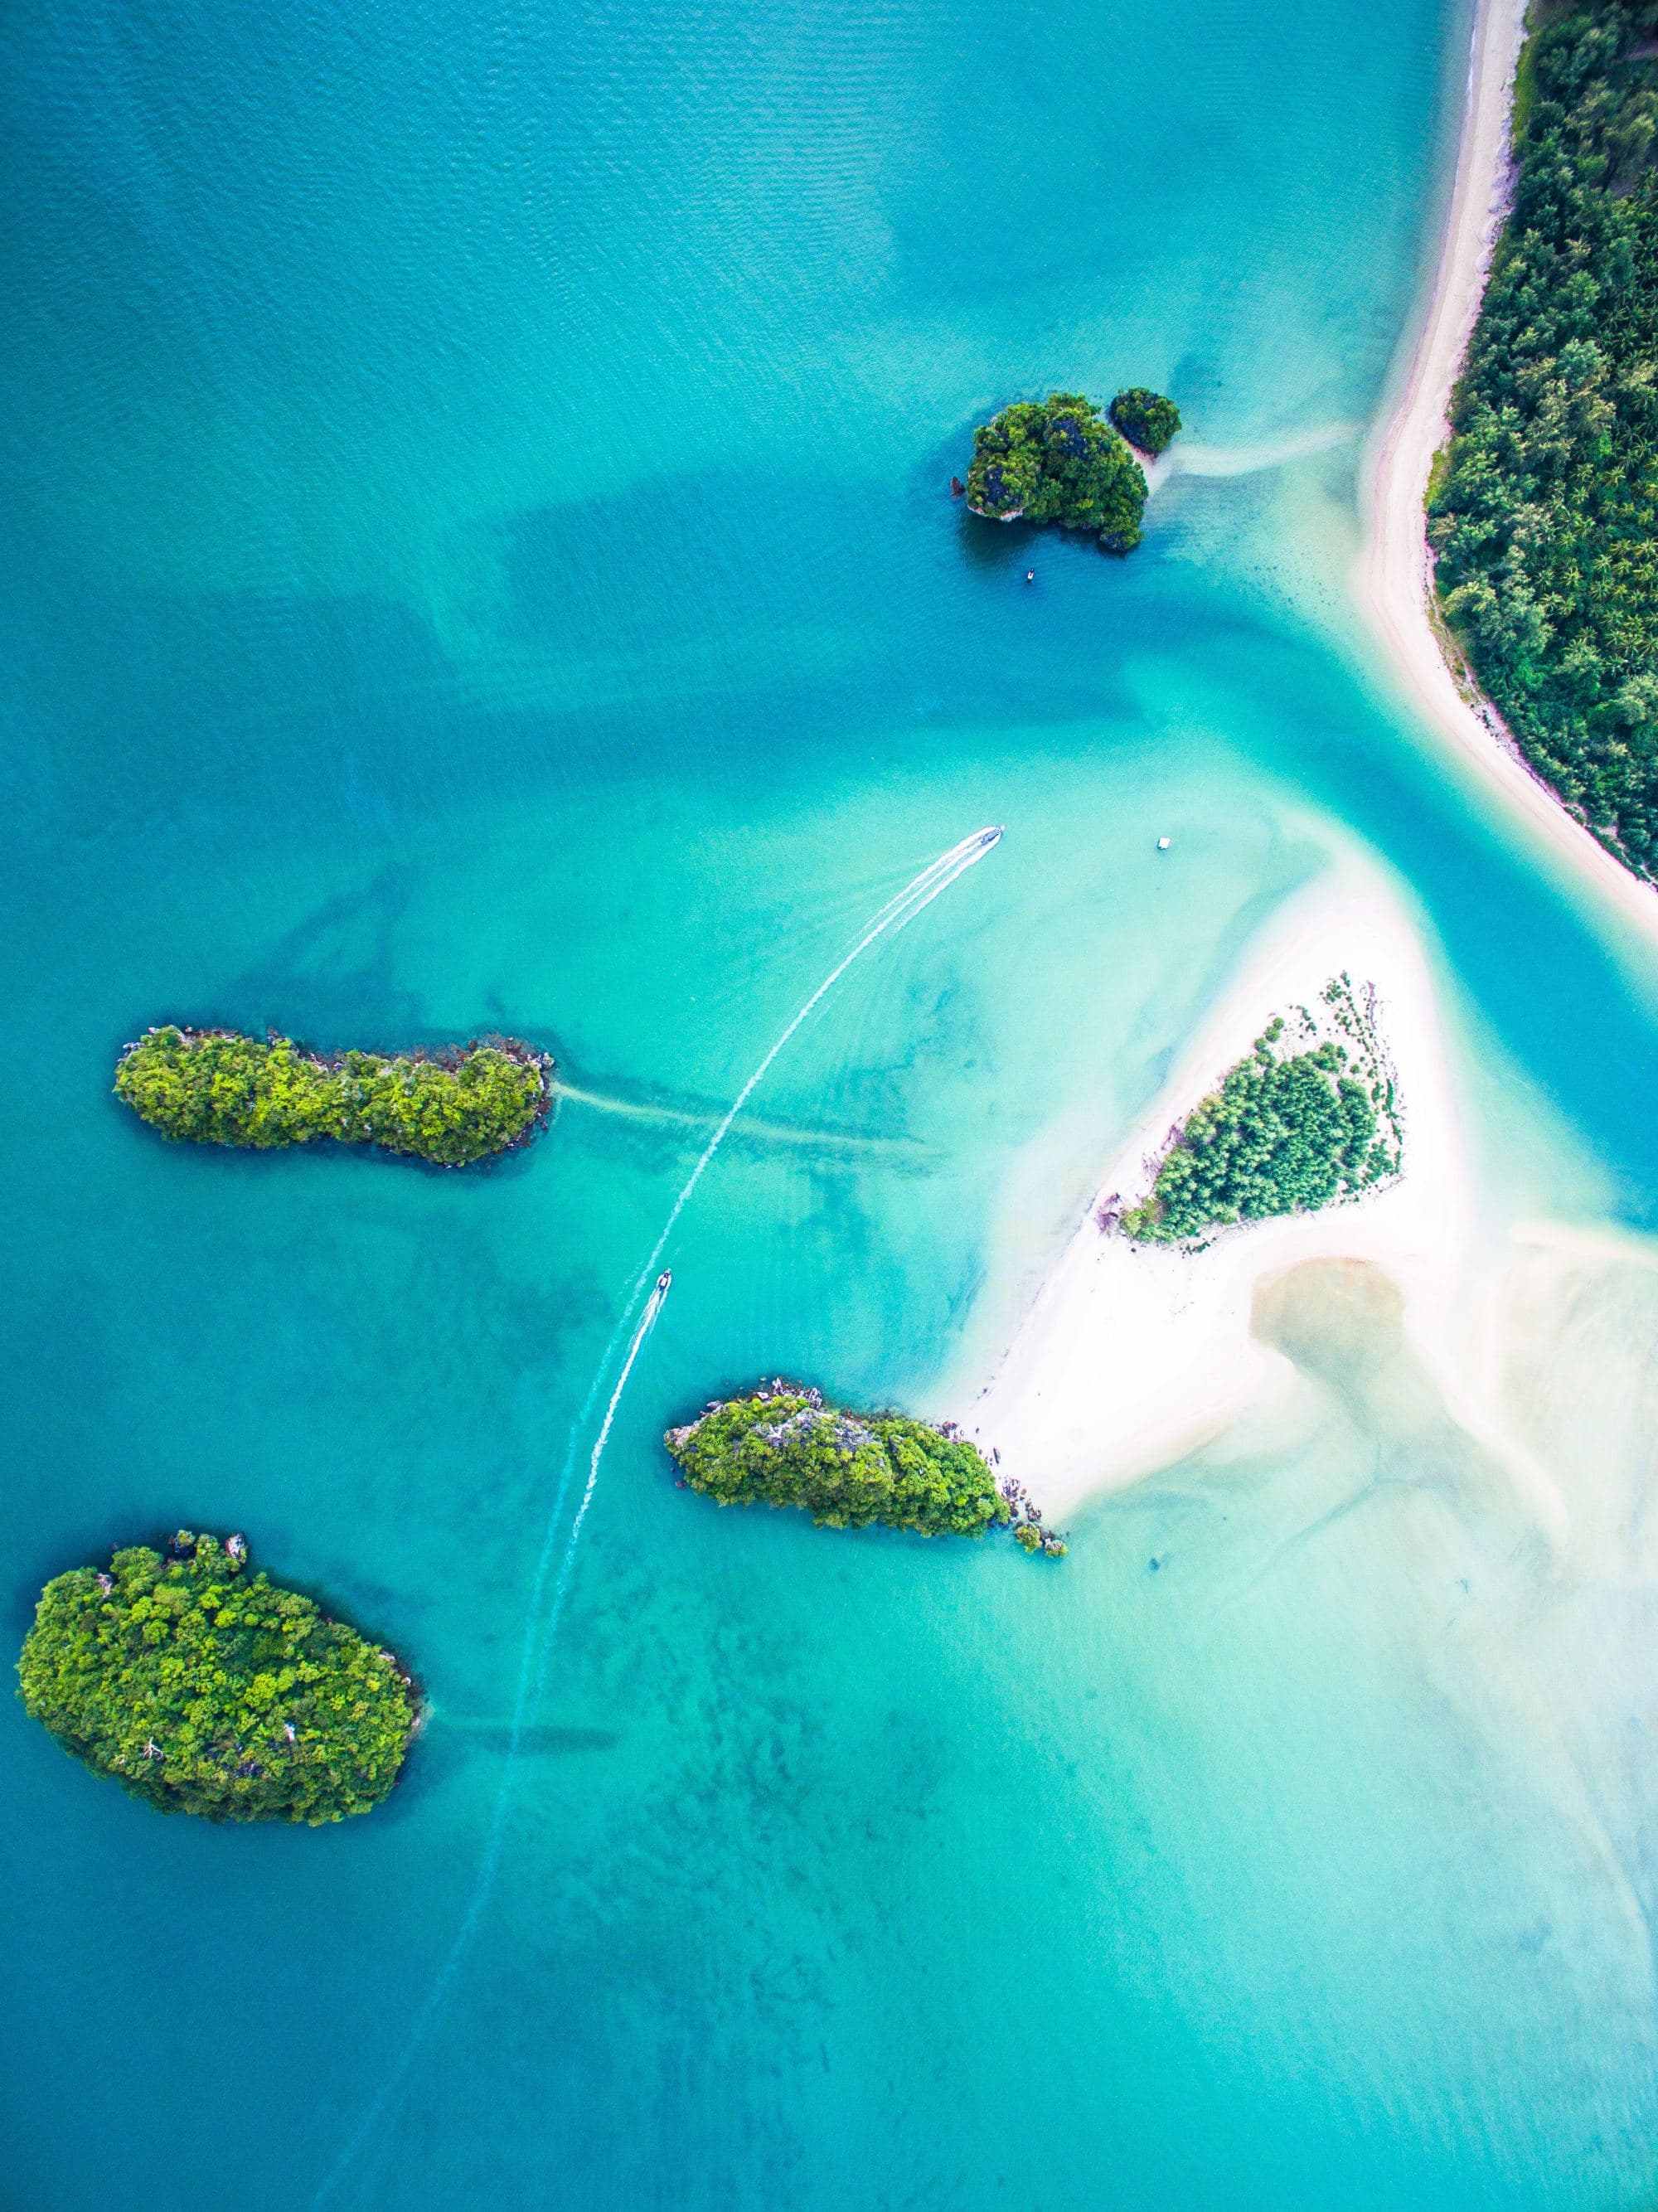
[[784, 1445], [1058, 460], [217, 1087], [1145, 418], [1545, 519], [204, 1688], [1288, 1132]]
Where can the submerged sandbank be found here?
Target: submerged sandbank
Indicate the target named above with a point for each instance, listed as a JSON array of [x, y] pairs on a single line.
[[1132, 1355], [1192, 458], [1392, 576]]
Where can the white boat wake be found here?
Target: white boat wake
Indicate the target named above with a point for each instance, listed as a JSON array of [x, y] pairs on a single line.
[[896, 914], [654, 1306]]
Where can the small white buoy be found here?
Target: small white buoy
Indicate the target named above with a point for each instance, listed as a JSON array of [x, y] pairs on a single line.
[[1163, 844]]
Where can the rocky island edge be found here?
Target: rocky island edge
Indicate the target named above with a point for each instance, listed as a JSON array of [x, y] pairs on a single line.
[[451, 1106], [1059, 460], [783, 1444]]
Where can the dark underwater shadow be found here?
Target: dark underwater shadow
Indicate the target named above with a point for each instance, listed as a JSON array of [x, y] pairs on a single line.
[[492, 1732], [998, 547], [359, 1005], [289, 678]]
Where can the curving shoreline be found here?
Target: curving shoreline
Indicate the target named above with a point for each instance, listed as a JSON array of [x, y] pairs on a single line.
[[1132, 1355], [1128, 1358], [1393, 577]]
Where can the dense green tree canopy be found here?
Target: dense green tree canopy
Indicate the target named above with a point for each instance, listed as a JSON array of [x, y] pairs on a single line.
[[785, 1446], [1145, 418], [1286, 1132], [205, 1689], [215, 1087], [1544, 513], [1058, 460]]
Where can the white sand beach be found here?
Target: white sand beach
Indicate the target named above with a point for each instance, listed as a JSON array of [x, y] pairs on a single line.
[[1132, 1355], [1393, 574]]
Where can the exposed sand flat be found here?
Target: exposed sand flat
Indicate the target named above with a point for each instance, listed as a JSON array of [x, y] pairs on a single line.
[[1132, 1355], [1392, 575]]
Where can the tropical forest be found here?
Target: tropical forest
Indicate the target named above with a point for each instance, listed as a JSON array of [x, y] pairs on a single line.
[[217, 1087], [1145, 418], [1059, 460], [204, 1687], [1309, 1118], [1544, 508], [783, 1444]]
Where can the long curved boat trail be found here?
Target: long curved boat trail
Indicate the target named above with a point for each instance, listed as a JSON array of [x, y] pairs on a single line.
[[582, 533]]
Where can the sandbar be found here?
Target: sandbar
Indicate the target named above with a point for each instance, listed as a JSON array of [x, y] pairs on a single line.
[[1133, 1355]]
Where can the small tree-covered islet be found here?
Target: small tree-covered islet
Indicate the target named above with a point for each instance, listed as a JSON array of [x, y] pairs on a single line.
[[1059, 460], [783, 1444], [205, 1689], [452, 1108], [1311, 1117], [1146, 419]]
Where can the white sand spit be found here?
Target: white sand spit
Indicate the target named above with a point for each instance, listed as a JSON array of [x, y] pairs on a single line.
[[1132, 1355]]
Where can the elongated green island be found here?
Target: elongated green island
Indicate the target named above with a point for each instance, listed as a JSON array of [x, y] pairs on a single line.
[[1543, 510], [1059, 460], [784, 1444], [204, 1688], [1310, 1118], [452, 1108]]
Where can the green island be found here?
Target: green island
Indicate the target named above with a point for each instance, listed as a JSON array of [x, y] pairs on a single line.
[[784, 1444], [452, 1108], [1543, 509], [204, 1688], [1145, 418], [1059, 460], [1310, 1118]]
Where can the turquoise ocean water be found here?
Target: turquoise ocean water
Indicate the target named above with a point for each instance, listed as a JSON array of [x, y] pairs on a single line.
[[476, 553]]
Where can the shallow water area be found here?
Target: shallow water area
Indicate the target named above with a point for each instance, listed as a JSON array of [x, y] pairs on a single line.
[[478, 554]]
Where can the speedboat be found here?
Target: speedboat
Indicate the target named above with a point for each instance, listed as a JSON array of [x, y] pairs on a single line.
[[989, 837], [665, 1278]]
